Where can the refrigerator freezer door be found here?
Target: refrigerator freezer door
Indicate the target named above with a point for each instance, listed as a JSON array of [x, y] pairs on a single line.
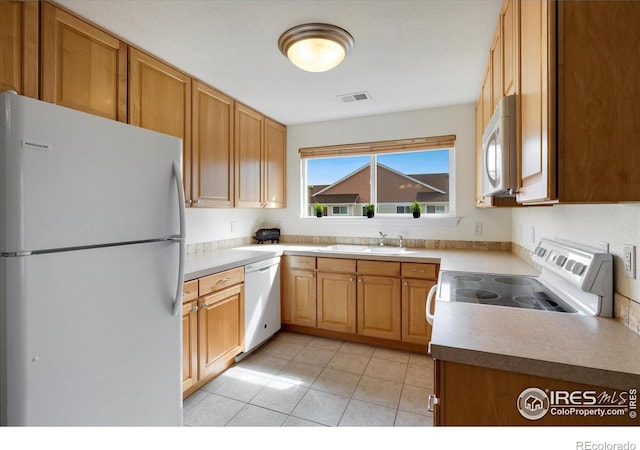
[[91, 338], [70, 179]]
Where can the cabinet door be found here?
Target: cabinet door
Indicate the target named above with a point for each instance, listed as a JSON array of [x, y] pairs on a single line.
[[212, 147], [302, 291], [509, 28], [496, 69], [481, 201], [274, 164], [337, 302], [379, 307], [487, 97], [160, 100], [248, 156], [19, 35], [83, 67], [189, 345], [537, 151], [415, 327], [220, 329]]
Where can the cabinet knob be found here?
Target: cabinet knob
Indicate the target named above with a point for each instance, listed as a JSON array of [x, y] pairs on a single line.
[[197, 202], [195, 308], [359, 280], [350, 279], [405, 284], [204, 305], [311, 275]]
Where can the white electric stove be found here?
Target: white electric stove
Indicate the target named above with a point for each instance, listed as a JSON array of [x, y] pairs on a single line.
[[575, 279]]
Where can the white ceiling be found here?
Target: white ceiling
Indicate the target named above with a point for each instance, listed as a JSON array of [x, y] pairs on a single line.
[[408, 54]]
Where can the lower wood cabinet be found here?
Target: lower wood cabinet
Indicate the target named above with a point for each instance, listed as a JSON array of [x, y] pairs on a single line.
[[378, 302], [415, 327], [212, 326], [189, 335], [220, 329], [298, 297], [379, 307], [470, 395], [337, 302]]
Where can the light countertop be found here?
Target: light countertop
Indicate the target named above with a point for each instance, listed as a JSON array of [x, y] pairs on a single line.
[[569, 347]]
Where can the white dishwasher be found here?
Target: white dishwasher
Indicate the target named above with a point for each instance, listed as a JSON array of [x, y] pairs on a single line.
[[261, 303]]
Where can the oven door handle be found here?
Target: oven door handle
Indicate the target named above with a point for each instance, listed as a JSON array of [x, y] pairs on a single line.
[[427, 309]]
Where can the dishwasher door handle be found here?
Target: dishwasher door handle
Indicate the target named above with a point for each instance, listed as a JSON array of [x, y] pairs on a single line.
[[427, 309]]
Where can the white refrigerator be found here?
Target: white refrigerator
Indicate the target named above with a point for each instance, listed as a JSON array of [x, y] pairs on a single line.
[[92, 252]]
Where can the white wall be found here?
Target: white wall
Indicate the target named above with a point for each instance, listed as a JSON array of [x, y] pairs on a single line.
[[458, 120], [588, 224], [208, 224]]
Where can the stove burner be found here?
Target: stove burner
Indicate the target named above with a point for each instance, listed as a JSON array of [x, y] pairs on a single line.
[[527, 302], [467, 278], [479, 294], [515, 281]]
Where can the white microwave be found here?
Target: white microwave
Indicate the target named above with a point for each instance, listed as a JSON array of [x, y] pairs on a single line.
[[499, 178]]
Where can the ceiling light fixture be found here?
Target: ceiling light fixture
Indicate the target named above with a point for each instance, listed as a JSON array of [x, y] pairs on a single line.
[[316, 47]]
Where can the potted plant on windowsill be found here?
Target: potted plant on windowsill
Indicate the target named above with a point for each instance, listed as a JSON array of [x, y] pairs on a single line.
[[319, 209], [415, 208], [371, 209]]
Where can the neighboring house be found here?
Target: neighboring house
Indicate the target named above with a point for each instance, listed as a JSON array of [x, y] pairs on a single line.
[[396, 191]]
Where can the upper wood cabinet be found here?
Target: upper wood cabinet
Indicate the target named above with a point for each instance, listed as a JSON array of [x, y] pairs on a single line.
[[536, 169], [509, 41], [212, 147], [83, 67], [481, 200], [248, 155], [19, 28], [260, 154], [495, 66], [578, 95], [499, 80], [274, 163], [160, 100], [598, 119]]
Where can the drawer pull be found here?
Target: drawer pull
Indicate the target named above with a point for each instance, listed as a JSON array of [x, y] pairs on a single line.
[[224, 280], [186, 293], [417, 270]]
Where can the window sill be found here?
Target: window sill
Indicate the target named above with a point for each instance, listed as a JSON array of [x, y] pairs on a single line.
[[447, 221]]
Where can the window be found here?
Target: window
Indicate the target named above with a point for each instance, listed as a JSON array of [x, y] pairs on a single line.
[[388, 174]]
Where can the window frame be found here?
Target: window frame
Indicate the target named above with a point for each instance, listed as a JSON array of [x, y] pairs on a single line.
[[373, 149]]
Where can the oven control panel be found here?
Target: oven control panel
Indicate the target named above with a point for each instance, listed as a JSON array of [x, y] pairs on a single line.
[[578, 264]]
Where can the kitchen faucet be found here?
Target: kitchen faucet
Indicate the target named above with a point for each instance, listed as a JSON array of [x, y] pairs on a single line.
[[400, 241], [382, 236]]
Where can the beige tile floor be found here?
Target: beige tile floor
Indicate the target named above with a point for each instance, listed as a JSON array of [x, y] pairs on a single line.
[[299, 380]]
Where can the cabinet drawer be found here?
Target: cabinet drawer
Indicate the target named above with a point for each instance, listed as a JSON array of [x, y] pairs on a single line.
[[221, 280], [391, 269], [189, 291], [302, 262], [418, 270], [336, 265]]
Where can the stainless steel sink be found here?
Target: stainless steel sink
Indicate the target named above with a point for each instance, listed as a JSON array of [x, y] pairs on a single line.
[[376, 249]]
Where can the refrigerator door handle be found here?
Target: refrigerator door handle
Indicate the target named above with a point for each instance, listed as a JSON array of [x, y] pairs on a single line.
[[177, 172]]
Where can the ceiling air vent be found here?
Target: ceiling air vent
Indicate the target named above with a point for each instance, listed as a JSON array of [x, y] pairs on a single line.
[[355, 97]]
